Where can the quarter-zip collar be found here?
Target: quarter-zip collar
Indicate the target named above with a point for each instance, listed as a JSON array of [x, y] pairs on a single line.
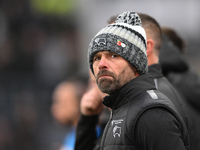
[[129, 91]]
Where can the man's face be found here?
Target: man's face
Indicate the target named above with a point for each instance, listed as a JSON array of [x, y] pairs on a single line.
[[65, 105], [112, 71]]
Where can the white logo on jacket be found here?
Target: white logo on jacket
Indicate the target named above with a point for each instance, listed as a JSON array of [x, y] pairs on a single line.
[[116, 128]]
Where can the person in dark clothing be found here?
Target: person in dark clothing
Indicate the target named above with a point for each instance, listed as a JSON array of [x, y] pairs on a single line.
[[141, 116], [177, 69], [183, 78]]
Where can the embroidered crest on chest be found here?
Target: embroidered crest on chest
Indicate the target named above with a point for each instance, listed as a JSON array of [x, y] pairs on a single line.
[[117, 127]]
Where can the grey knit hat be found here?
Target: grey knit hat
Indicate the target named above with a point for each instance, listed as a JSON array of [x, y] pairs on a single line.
[[125, 37]]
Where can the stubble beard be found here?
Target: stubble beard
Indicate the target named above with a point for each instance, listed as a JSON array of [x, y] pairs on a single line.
[[108, 85]]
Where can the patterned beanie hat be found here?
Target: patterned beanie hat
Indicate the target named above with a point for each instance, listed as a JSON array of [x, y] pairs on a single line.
[[125, 37]]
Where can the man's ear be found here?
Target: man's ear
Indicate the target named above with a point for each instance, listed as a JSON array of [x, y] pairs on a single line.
[[150, 46]]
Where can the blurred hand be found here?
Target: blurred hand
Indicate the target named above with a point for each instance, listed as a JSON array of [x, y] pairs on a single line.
[[91, 102]]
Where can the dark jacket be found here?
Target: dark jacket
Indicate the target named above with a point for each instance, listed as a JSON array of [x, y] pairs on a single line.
[[143, 118], [159, 82], [187, 82], [189, 114], [163, 85], [177, 70], [86, 138]]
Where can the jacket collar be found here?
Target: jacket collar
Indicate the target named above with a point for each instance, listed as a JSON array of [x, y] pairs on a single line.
[[155, 71], [129, 91]]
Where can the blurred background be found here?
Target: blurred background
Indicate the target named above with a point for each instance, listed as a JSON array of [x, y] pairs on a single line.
[[43, 42]]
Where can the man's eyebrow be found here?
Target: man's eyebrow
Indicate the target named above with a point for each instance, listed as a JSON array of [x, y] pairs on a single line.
[[96, 54]]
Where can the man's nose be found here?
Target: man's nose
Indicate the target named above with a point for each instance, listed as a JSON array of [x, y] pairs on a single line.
[[103, 64]]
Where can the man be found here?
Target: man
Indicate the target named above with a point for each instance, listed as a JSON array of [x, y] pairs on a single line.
[[177, 70], [154, 37], [65, 107], [140, 113]]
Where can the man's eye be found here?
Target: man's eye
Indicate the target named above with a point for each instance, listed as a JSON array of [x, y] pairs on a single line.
[[114, 55], [96, 58]]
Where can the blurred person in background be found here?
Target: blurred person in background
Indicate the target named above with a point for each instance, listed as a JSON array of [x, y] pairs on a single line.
[[176, 68], [155, 44], [178, 71], [65, 107]]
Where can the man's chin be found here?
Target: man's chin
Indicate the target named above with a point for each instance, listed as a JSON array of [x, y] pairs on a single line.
[[104, 85]]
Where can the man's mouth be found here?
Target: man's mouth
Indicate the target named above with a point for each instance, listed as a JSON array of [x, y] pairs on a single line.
[[104, 76]]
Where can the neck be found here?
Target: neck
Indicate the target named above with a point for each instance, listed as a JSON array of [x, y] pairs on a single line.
[[152, 59]]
